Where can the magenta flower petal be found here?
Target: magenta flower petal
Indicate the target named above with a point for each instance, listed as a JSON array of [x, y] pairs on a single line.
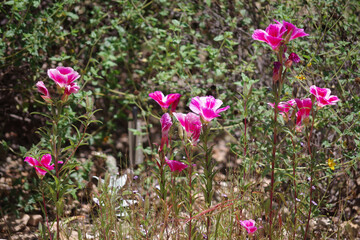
[[65, 70], [222, 109], [59, 79], [304, 106], [42, 165], [274, 42], [259, 35], [249, 225], [195, 105], [181, 118], [64, 77], [32, 162], [46, 160], [207, 107], [176, 165], [175, 103], [207, 114], [323, 96], [274, 34], [42, 88], [71, 88], [159, 98], [191, 124], [165, 101], [284, 107]]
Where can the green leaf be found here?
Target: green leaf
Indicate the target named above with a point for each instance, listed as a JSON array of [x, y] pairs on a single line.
[[219, 38]]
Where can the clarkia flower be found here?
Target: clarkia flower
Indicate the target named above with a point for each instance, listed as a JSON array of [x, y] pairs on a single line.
[[323, 96], [274, 34], [249, 225], [63, 76], [284, 107], [175, 166], [166, 124], [192, 125], [42, 89], [207, 107], [165, 101], [302, 115], [44, 163]]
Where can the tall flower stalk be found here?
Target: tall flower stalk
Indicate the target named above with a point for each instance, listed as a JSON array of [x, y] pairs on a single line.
[[277, 36], [64, 77]]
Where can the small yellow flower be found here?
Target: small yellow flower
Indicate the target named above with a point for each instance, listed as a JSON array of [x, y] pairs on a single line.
[[331, 164], [301, 77], [309, 64]]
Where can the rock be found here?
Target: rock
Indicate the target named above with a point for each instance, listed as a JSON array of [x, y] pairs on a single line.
[[35, 219], [111, 165], [13, 223]]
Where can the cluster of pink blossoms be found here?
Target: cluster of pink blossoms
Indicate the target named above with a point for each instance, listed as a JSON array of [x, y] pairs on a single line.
[[64, 77], [322, 96], [204, 110], [277, 36]]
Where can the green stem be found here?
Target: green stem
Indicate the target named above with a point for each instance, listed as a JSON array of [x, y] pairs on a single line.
[[45, 211], [311, 173], [208, 177]]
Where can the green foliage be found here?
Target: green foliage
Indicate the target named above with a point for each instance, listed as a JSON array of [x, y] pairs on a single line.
[[126, 49]]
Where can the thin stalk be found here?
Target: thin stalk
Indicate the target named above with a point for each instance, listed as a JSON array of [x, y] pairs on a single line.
[[295, 192], [189, 156], [162, 176], [273, 164], [46, 217], [311, 173], [208, 174], [56, 151], [276, 91], [245, 141]]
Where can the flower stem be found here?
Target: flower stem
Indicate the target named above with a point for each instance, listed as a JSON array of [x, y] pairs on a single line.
[[295, 192], [190, 190], [46, 217], [311, 174]]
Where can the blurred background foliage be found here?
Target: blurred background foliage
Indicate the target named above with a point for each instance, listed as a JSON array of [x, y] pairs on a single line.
[[126, 49]]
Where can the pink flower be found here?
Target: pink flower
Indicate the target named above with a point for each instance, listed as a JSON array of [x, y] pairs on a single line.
[[44, 163], [63, 76], [192, 125], [249, 225], [302, 115], [166, 124], [323, 96], [274, 34], [175, 165], [207, 107], [284, 107], [42, 89], [165, 101]]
